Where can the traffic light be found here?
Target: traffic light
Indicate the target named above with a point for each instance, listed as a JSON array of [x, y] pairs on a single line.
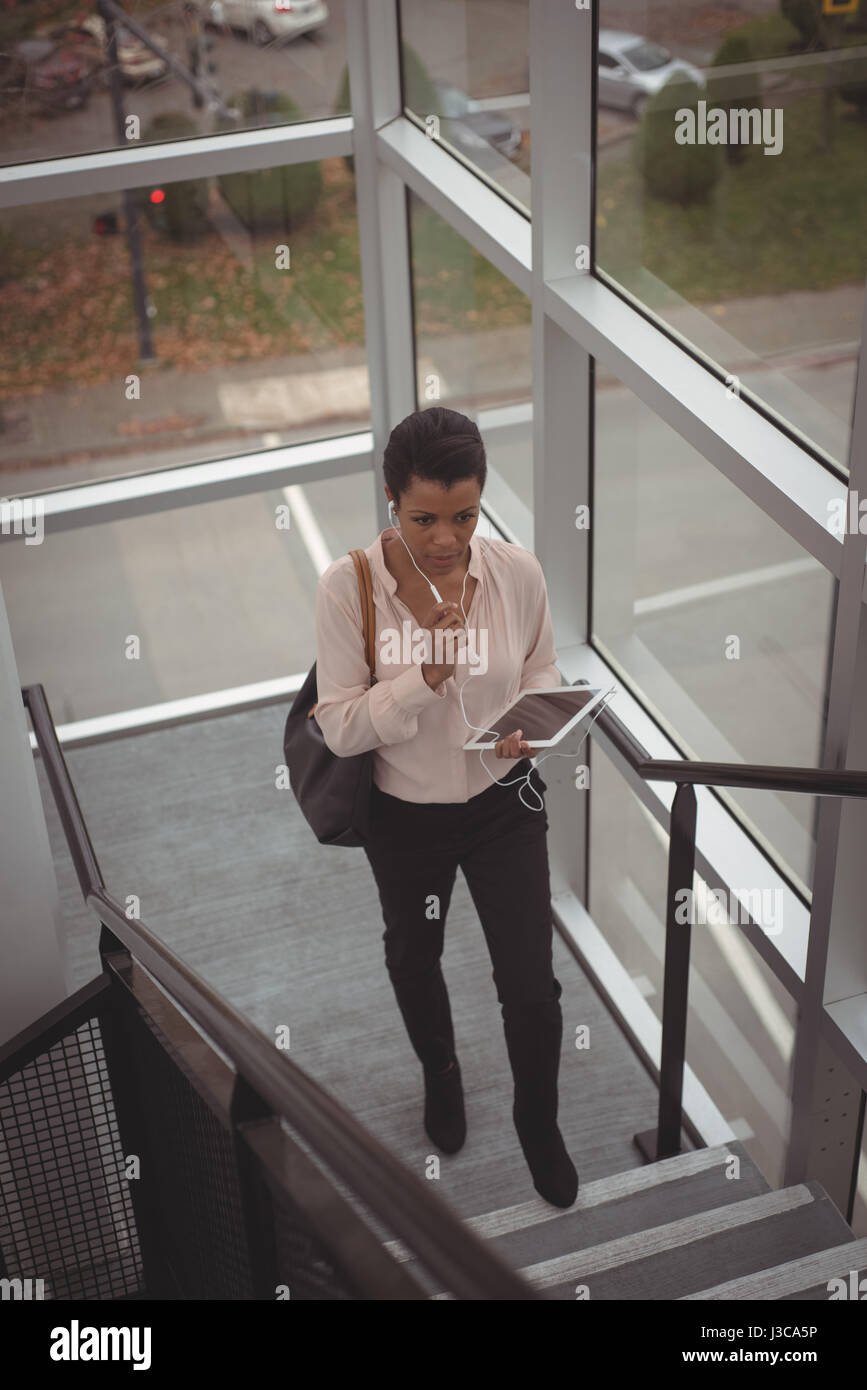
[[105, 224], [839, 6]]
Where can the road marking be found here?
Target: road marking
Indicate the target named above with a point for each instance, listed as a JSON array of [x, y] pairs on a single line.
[[726, 1034], [712, 588], [505, 103], [314, 541], [737, 953]]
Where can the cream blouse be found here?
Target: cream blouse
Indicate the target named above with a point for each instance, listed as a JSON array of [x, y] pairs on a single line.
[[417, 733]]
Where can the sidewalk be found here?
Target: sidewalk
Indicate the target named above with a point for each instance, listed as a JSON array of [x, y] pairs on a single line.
[[321, 393]]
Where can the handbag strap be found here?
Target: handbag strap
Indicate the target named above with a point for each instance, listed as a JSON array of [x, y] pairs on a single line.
[[365, 584]]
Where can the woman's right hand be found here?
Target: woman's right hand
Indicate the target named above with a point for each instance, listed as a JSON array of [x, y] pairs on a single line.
[[442, 615]]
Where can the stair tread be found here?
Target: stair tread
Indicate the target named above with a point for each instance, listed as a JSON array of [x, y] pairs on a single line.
[[623, 1214], [670, 1261], [618, 1204], [805, 1278]]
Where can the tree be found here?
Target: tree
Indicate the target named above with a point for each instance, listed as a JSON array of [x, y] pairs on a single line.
[[853, 84], [806, 16], [819, 32]]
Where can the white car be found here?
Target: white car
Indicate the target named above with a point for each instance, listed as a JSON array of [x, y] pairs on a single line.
[[632, 69], [266, 20], [136, 61]]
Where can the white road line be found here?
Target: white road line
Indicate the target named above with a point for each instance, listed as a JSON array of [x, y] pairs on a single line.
[[504, 103], [727, 1036], [736, 951], [712, 588], [314, 541]]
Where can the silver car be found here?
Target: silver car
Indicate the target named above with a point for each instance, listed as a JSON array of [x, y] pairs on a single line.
[[632, 69]]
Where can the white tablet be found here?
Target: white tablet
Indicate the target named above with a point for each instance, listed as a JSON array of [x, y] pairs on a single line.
[[546, 716]]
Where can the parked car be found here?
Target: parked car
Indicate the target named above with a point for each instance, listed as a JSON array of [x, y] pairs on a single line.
[[137, 62], [47, 75], [632, 69], [263, 21], [461, 113]]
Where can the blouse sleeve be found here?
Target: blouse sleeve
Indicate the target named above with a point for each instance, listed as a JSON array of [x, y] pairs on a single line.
[[354, 715], [540, 664]]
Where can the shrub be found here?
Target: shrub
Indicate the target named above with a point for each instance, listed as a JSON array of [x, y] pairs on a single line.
[[283, 197], [679, 173], [734, 90], [183, 213]]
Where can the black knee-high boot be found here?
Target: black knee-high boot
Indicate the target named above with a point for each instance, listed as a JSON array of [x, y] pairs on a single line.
[[533, 1039], [424, 1004]]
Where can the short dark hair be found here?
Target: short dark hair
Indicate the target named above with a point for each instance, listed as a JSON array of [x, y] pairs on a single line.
[[438, 445]]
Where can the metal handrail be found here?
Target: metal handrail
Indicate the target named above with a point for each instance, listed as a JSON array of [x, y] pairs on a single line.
[[422, 1222], [664, 1142], [812, 780]]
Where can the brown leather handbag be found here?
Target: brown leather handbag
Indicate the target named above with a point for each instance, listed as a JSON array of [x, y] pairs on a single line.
[[333, 792]]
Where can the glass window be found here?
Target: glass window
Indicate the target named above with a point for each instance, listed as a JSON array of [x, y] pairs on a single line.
[[646, 57], [235, 322], [718, 620], [466, 77], [234, 64], [474, 354], [742, 224], [740, 1029], [218, 595]]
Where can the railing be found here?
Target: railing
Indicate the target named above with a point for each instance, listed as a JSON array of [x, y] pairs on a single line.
[[272, 1085], [664, 1141]]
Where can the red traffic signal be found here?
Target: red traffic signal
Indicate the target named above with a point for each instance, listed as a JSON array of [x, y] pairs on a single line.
[[105, 224]]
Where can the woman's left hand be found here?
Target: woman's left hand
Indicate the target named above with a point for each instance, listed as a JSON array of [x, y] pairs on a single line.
[[513, 746]]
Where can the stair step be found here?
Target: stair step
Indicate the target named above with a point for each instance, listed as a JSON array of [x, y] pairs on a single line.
[[802, 1279], [669, 1261], [616, 1205]]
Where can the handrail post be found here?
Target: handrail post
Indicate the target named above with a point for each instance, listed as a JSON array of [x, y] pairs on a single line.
[[664, 1141]]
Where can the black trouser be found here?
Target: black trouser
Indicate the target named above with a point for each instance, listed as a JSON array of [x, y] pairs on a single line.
[[500, 844]]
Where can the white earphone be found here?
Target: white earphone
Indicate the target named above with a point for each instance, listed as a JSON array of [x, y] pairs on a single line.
[[395, 524]]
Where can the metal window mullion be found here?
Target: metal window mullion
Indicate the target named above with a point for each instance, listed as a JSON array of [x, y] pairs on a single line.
[[497, 231], [837, 956], [372, 33], [561, 87], [134, 166], [780, 477], [190, 485]]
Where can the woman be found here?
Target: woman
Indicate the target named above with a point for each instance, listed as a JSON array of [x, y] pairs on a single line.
[[434, 807]]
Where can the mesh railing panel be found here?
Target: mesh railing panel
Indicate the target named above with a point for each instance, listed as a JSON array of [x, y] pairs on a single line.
[[305, 1267], [66, 1215], [191, 1171]]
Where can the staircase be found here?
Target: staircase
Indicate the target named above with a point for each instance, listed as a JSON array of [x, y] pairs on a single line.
[[703, 1225]]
